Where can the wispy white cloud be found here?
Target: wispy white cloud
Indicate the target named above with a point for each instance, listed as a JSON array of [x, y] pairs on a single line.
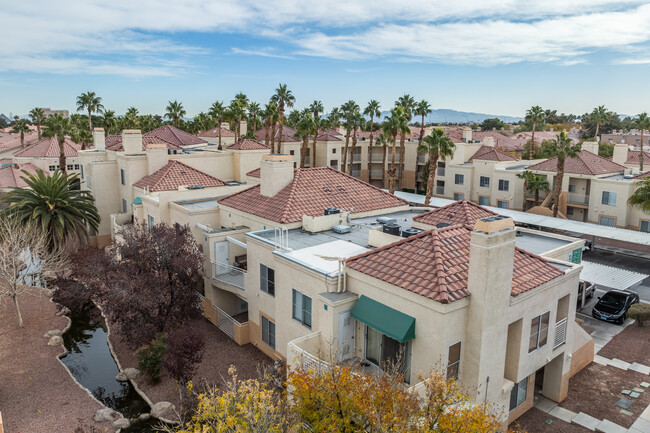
[[267, 52], [633, 61]]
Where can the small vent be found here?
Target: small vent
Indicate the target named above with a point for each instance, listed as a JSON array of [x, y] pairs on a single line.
[[341, 229]]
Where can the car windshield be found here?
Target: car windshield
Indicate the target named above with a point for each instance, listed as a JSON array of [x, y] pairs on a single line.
[[613, 299]]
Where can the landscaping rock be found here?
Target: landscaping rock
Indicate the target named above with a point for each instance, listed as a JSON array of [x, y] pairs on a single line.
[[143, 417], [121, 377], [52, 333], [104, 415], [55, 341], [163, 409], [131, 373], [122, 423], [63, 311]]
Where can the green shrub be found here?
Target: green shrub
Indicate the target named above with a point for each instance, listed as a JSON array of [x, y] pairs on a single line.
[[639, 312], [150, 358]]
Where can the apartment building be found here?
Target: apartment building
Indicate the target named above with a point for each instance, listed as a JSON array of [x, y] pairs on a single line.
[[313, 266], [11, 175], [44, 155], [164, 175]]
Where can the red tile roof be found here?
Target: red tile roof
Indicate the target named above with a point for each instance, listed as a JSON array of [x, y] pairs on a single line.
[[176, 174], [586, 163], [247, 144], [49, 148], [488, 153], [461, 212], [634, 155], [12, 141], [174, 136], [642, 175], [311, 191], [114, 142], [435, 264], [254, 173], [225, 132], [11, 175], [327, 136]]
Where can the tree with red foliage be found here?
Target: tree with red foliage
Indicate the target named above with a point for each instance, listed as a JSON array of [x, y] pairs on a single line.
[[185, 347]]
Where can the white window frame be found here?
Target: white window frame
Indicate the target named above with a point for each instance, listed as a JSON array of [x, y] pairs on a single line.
[[606, 198], [504, 185], [299, 311], [539, 330], [600, 221], [484, 181], [268, 337], [264, 280], [484, 197], [458, 177]]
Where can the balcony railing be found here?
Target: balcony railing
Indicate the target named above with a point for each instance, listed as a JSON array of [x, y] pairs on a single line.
[[229, 275], [440, 190], [576, 198], [560, 333], [440, 171], [302, 353]]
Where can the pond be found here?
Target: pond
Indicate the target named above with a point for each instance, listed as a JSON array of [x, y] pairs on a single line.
[[91, 363]]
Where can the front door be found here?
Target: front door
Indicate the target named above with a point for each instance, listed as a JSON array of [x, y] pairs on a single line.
[[220, 257], [346, 336]]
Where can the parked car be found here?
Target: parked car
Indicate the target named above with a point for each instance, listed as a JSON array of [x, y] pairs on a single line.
[[591, 289], [613, 305]]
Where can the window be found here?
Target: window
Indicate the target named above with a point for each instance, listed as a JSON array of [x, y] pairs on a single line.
[[518, 393], [52, 168], [484, 201], [69, 167], [382, 350], [123, 206], [504, 185], [295, 165], [453, 363], [572, 188], [267, 280], [122, 177], [502, 204], [82, 171], [458, 196], [76, 166], [538, 332], [459, 179], [607, 221], [292, 152], [334, 164], [150, 221], [302, 308], [484, 182], [645, 226], [334, 150], [268, 332], [609, 198], [569, 211]]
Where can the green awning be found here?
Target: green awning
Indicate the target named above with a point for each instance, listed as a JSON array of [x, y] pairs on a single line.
[[138, 200], [388, 321]]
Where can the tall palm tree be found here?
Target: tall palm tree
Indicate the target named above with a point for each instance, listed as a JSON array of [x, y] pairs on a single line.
[[20, 126], [174, 111], [436, 146], [527, 176], [110, 121], [422, 109], [347, 111], [642, 122], [92, 103], [334, 118], [217, 111], [563, 149], [272, 117], [52, 205], [536, 184], [599, 115], [318, 123], [393, 124], [372, 110], [254, 112], [316, 108], [356, 122], [59, 126], [641, 196], [408, 102], [132, 112], [242, 98], [283, 97], [38, 116], [304, 129], [82, 136], [535, 114], [147, 123], [383, 140]]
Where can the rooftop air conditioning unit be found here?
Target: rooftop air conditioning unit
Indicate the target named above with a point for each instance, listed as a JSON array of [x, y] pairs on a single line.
[[407, 233], [391, 229], [332, 211], [386, 220], [341, 229]]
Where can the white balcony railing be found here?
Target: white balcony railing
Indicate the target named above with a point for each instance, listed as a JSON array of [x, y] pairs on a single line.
[[576, 198], [228, 274], [560, 333], [300, 349]]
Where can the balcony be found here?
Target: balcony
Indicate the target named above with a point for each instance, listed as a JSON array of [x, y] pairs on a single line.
[[232, 326], [579, 199], [560, 333], [229, 275], [302, 354]]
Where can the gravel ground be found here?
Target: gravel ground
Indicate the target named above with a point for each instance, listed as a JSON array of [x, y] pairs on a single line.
[[37, 394], [630, 345], [220, 353], [534, 421]]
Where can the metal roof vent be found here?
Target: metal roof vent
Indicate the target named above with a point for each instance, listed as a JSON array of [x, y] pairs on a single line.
[[386, 220], [341, 229], [332, 211]]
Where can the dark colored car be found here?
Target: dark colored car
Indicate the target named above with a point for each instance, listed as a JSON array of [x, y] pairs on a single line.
[[613, 305]]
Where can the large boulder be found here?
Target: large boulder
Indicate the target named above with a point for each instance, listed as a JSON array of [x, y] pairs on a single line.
[[55, 341], [121, 377], [105, 415], [122, 423], [65, 311], [52, 333], [132, 373], [144, 417], [163, 409]]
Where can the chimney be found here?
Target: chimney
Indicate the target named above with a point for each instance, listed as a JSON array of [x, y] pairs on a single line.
[[156, 157], [225, 125], [491, 256], [467, 135], [590, 146], [243, 128], [132, 141], [341, 130], [276, 172], [488, 141], [99, 139], [620, 153]]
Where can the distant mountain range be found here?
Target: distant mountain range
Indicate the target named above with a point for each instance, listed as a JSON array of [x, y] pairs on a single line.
[[444, 115]]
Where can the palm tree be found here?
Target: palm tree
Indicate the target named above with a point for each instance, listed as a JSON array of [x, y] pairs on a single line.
[[563, 149], [201, 122], [436, 146], [283, 97], [408, 103], [422, 109], [132, 112], [175, 110], [527, 176], [91, 102], [347, 111], [254, 111], [355, 121], [110, 121], [599, 115], [147, 123], [38, 117], [641, 196], [217, 112], [393, 124], [272, 116], [642, 122], [383, 140], [82, 136], [536, 184], [59, 126], [316, 108], [53, 206], [242, 98], [372, 110], [20, 126], [534, 114], [318, 123], [304, 129]]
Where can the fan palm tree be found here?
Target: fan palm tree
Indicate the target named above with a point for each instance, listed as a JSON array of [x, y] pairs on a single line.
[[148, 123], [52, 205], [38, 116], [527, 176], [92, 103], [641, 196], [254, 112], [436, 146], [383, 141], [284, 98], [347, 111], [82, 136], [535, 114], [174, 110], [422, 109], [599, 115], [316, 108], [372, 110], [393, 125], [272, 118], [642, 122], [217, 111], [20, 126], [304, 129], [355, 121], [318, 123], [110, 121], [408, 102], [563, 149], [536, 184], [59, 127]]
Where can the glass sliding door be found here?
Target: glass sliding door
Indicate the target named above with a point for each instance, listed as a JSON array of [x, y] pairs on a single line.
[[384, 351]]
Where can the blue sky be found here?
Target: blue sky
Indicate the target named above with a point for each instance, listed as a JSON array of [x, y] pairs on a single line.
[[497, 57]]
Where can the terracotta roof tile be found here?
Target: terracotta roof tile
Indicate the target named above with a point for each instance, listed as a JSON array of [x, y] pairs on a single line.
[[311, 191], [327, 136], [462, 212], [489, 153], [634, 155], [225, 132], [642, 175], [174, 136], [49, 148], [435, 264], [254, 173], [247, 144], [11, 175], [586, 163], [114, 142], [176, 174]]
